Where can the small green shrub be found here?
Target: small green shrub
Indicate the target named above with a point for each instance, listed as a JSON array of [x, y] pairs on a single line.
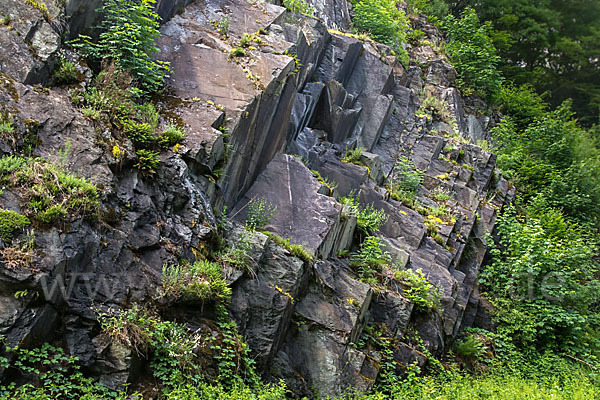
[[370, 258], [260, 212], [222, 25], [147, 113], [299, 6], [147, 161], [132, 327], [418, 290], [10, 221], [352, 156], [248, 39], [437, 108], [112, 97], [368, 219], [200, 282], [66, 72], [141, 133], [237, 52], [6, 123], [56, 375], [441, 195], [404, 180], [171, 136], [239, 254], [469, 348]]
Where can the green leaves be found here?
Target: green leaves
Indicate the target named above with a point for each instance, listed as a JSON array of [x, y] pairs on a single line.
[[543, 277], [129, 32], [473, 54], [384, 22]]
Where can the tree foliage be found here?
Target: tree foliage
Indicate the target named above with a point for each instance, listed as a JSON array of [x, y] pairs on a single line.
[[473, 54], [551, 44], [129, 31]]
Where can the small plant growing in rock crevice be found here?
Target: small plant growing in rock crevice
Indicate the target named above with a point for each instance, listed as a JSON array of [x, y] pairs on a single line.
[[368, 219], [418, 290], [370, 259], [260, 212], [10, 221], [6, 123], [66, 72], [50, 192], [128, 35], [404, 181], [171, 136], [147, 161], [352, 156]]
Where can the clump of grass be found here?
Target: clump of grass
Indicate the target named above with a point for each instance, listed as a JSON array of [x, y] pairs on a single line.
[[66, 72], [199, 282], [171, 136], [51, 193], [296, 249], [6, 123]]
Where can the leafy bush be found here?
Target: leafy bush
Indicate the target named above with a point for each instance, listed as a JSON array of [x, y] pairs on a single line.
[[200, 282], [370, 258], [128, 34], [260, 212], [368, 219], [222, 25], [50, 191], [554, 161], [543, 280], [473, 54], [140, 132], [470, 347], [418, 290], [521, 103], [404, 180], [438, 9], [10, 221], [384, 22], [147, 161], [58, 375]]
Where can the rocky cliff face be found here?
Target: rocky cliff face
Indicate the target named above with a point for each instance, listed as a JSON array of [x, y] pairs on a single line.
[[300, 318]]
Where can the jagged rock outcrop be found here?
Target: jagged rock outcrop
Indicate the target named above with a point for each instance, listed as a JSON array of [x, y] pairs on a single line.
[[301, 319]]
